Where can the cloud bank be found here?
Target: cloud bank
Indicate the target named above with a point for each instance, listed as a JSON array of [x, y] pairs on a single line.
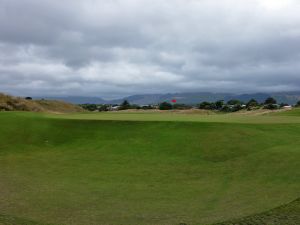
[[119, 47]]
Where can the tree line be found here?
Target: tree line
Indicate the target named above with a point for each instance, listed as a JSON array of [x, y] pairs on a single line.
[[232, 105]]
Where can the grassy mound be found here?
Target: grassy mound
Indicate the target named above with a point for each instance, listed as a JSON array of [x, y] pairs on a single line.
[[10, 103], [66, 171]]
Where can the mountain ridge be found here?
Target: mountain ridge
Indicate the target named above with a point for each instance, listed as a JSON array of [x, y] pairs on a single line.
[[184, 98]]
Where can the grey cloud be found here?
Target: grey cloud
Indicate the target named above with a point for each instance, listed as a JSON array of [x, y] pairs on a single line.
[[110, 48]]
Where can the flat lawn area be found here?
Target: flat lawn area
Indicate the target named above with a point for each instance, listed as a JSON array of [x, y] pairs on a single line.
[[294, 112], [169, 116], [145, 169]]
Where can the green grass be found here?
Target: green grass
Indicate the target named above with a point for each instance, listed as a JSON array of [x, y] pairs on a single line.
[[220, 118], [12, 220], [136, 169], [282, 215], [294, 112]]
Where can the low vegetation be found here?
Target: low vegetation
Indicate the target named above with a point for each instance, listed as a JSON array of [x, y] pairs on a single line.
[[233, 105], [10, 103], [288, 214]]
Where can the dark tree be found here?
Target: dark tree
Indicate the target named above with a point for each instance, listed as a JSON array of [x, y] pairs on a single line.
[[270, 100], [28, 98], [165, 106], [206, 105], [234, 102], [252, 103], [181, 106], [125, 105], [89, 107], [219, 104], [103, 108], [231, 108], [271, 106], [298, 104], [226, 108]]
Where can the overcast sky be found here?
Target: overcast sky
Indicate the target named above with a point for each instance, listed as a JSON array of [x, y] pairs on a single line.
[[112, 48]]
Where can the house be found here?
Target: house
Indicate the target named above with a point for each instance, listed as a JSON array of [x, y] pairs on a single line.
[[114, 108]]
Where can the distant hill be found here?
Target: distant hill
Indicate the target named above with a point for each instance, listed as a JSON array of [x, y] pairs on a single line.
[[10, 103], [197, 97], [76, 99], [186, 98]]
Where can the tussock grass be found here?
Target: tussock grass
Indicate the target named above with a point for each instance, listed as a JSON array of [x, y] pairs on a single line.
[[10, 103]]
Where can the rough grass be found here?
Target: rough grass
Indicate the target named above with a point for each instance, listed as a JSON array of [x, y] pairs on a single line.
[[77, 171], [10, 103], [288, 214]]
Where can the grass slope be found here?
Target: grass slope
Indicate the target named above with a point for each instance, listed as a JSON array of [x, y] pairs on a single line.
[[288, 214], [10, 103], [64, 171]]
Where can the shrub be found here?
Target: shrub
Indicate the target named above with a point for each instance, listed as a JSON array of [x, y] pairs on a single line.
[[125, 105], [252, 103], [206, 105], [270, 100], [165, 106], [271, 106]]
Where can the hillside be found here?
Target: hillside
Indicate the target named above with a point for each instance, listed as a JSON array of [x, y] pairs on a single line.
[[197, 97], [10, 103], [77, 99]]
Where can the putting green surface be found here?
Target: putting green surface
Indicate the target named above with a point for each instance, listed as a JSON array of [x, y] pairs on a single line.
[[140, 169]]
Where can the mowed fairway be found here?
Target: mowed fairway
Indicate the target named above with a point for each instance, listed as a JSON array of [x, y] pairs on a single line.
[[145, 169]]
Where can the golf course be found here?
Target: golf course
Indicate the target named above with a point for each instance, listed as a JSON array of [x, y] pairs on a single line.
[[131, 168]]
